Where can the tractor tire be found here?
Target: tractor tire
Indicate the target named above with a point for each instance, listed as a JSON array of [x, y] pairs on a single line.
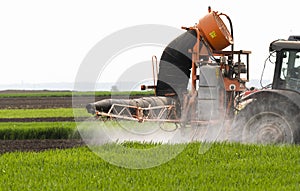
[[267, 122]]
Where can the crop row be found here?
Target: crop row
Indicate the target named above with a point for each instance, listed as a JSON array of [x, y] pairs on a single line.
[[32, 129], [34, 113], [48, 130], [223, 167], [38, 130]]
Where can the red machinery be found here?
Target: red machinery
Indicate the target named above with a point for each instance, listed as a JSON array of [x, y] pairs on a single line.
[[200, 46]]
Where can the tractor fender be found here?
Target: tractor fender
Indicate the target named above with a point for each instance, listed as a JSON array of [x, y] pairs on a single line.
[[273, 95]]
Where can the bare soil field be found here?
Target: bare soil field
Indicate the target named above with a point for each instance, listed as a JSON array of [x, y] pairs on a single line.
[[42, 119], [38, 145], [42, 102]]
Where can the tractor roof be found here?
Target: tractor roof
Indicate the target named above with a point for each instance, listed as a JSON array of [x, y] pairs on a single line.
[[284, 44]]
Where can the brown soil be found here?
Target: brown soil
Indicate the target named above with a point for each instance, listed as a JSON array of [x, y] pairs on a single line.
[[48, 102], [43, 119], [42, 102], [38, 145]]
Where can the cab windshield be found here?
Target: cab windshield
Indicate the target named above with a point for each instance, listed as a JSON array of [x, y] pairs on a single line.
[[290, 69]]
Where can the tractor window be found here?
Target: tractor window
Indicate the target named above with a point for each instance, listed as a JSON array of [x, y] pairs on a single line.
[[290, 69], [297, 60], [284, 65]]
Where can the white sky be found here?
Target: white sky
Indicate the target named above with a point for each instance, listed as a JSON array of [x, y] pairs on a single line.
[[46, 41]]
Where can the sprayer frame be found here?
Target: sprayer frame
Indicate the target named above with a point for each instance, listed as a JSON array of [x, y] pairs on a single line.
[[233, 84]]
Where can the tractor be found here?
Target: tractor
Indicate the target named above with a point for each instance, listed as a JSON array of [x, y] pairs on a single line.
[[272, 115]]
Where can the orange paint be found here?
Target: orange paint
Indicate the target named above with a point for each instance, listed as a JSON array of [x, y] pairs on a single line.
[[215, 31]]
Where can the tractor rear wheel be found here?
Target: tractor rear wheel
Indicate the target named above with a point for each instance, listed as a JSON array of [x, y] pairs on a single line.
[[267, 123]]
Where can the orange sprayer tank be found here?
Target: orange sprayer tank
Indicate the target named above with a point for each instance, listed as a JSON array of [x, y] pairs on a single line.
[[215, 31]]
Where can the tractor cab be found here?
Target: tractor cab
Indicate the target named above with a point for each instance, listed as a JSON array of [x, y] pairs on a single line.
[[287, 69]]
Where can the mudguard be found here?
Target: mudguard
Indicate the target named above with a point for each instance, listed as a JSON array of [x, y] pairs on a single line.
[[273, 95]]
